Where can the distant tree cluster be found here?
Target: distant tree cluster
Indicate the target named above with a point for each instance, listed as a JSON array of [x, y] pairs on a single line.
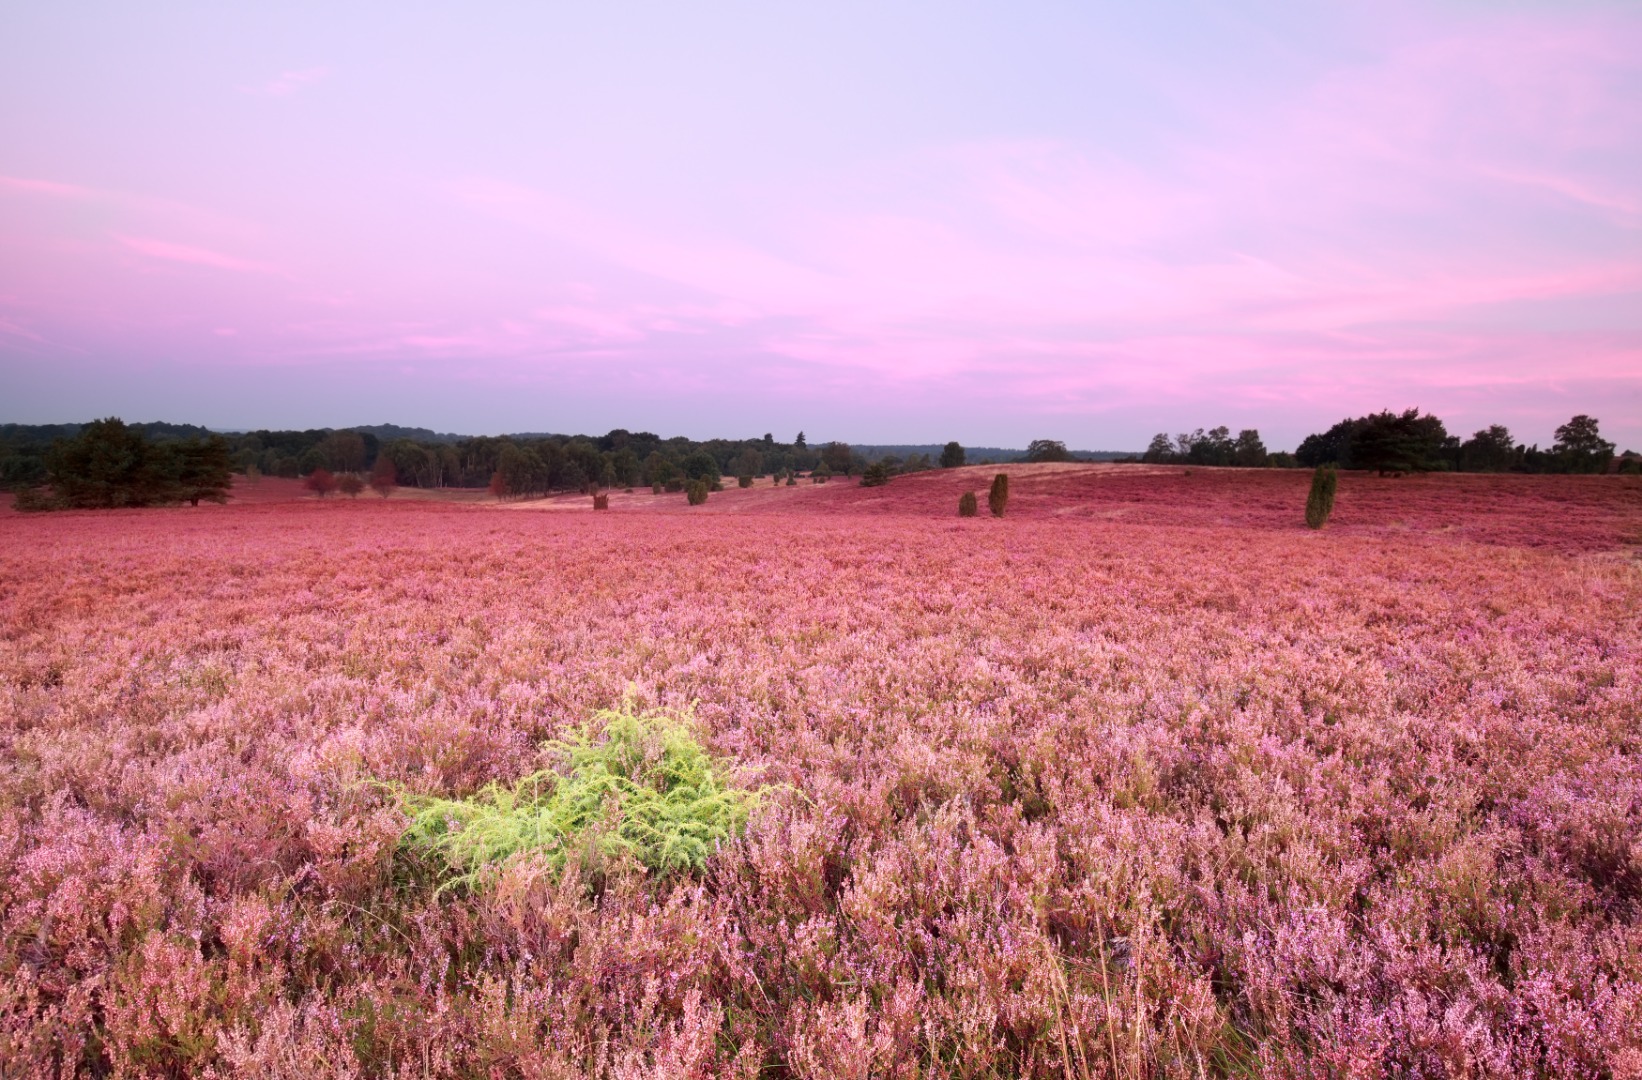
[[108, 465], [1388, 442], [1215, 447]]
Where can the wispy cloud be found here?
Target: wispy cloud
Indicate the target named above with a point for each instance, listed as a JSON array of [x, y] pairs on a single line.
[[188, 253]]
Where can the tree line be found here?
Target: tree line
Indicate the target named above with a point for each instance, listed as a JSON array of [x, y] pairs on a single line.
[[1410, 441]]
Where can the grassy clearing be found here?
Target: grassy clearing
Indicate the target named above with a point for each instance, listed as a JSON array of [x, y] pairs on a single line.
[[637, 787]]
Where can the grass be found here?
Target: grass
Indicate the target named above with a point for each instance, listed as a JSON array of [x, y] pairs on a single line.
[[641, 788]]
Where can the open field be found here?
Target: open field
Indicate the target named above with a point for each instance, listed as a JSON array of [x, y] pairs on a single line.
[[1143, 780]]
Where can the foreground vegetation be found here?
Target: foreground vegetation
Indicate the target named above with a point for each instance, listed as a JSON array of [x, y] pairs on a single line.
[[1044, 796]]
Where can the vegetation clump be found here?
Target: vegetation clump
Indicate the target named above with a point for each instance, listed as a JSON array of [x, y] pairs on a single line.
[[875, 475], [641, 787], [696, 492], [967, 506], [1320, 503], [952, 455], [998, 498]]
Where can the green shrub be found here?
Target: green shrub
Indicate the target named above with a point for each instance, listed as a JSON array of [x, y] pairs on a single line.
[[998, 497], [967, 506], [1320, 503], [696, 492], [642, 787], [875, 475], [655, 489], [744, 481], [674, 485], [792, 481]]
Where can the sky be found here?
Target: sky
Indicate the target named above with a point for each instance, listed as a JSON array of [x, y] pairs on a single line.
[[879, 222]]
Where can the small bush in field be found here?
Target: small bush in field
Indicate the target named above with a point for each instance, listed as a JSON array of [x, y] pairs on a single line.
[[320, 482], [641, 787], [967, 504], [1320, 503], [744, 481], [696, 492], [792, 481], [601, 502], [875, 475], [350, 485], [655, 489], [998, 498]]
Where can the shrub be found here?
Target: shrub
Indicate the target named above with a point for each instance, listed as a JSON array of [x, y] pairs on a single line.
[[820, 474], [875, 475], [716, 485], [998, 497], [320, 482], [601, 502], [674, 485], [655, 489], [350, 485], [384, 476], [744, 481], [696, 492], [967, 506], [641, 788], [792, 481], [1320, 503]]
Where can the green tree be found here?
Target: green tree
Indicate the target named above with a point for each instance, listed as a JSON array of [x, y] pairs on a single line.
[[701, 465], [1047, 450], [203, 470], [1161, 450], [952, 455], [1248, 451], [1397, 442], [1580, 446], [837, 457], [1490, 450], [876, 475], [108, 465]]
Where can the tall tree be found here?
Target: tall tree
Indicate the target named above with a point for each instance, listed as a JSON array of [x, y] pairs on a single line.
[[1047, 450], [1580, 446], [203, 470], [109, 464], [952, 455], [1489, 450]]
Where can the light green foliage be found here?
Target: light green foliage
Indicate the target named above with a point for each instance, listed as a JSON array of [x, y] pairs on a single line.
[[641, 787]]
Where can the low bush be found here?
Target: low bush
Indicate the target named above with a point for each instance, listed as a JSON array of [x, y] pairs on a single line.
[[967, 504], [601, 502], [696, 492], [641, 787], [744, 481], [875, 475]]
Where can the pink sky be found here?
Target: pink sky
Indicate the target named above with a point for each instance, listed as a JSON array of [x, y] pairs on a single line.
[[879, 227]]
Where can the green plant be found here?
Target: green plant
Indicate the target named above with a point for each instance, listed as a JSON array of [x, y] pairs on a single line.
[[792, 481], [1320, 503], [696, 492], [744, 481], [998, 498], [967, 504], [875, 475], [628, 786], [601, 502]]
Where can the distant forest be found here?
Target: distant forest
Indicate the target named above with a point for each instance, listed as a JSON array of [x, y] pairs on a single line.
[[169, 462]]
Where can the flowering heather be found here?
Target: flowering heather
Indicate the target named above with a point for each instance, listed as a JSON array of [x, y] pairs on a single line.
[[1126, 784]]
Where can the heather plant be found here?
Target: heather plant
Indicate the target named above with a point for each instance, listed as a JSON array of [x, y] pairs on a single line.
[[967, 504], [997, 499], [640, 787], [1320, 501], [696, 492]]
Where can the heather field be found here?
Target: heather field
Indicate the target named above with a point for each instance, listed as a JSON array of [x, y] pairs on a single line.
[[1143, 780]]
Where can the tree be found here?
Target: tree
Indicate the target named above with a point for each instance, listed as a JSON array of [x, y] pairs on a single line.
[[1047, 450], [384, 477], [875, 475], [350, 485], [108, 465], [1320, 501], [320, 482], [799, 443], [1160, 452], [344, 451], [1490, 450], [625, 466], [998, 498], [696, 492], [952, 456], [837, 457], [1397, 442], [203, 470], [1332, 447], [701, 466], [1580, 447], [1248, 451]]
